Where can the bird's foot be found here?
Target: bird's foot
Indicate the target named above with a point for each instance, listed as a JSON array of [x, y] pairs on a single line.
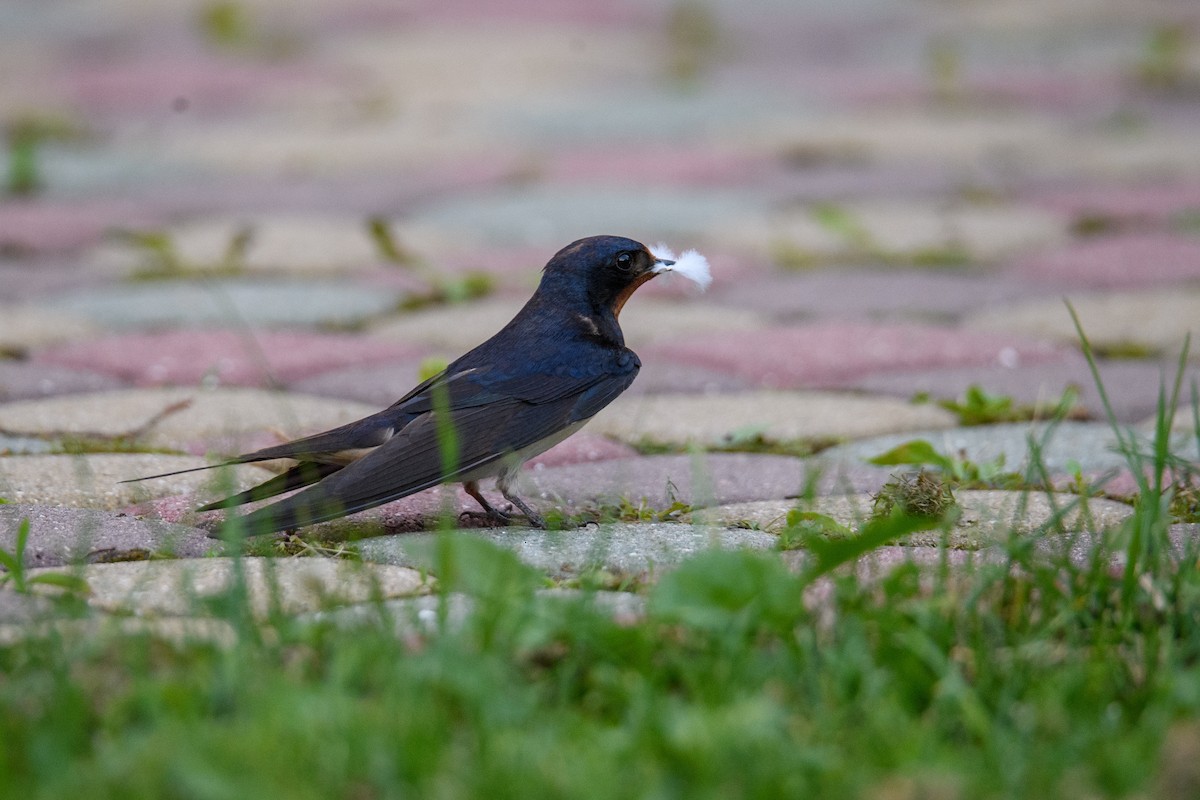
[[493, 516], [535, 519]]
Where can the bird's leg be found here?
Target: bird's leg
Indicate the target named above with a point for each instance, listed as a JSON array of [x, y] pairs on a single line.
[[535, 519], [494, 514]]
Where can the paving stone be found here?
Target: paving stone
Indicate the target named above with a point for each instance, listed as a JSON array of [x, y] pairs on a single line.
[[1148, 320], [23, 380], [26, 281], [23, 328], [899, 229], [698, 165], [660, 480], [666, 377], [723, 419], [181, 632], [1125, 261], [230, 358], [225, 303], [882, 561], [407, 616], [50, 225], [1150, 202], [890, 135], [328, 147], [844, 294], [153, 82], [679, 119], [582, 448], [833, 354], [21, 610], [60, 536], [23, 445], [653, 481], [986, 517], [620, 548], [203, 420], [93, 481], [284, 244], [1131, 386], [377, 385], [1091, 445], [551, 216], [457, 329], [289, 585], [417, 616], [527, 62]]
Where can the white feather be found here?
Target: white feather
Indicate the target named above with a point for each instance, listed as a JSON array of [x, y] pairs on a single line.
[[690, 265]]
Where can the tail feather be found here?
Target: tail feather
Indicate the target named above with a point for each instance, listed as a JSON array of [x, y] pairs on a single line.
[[235, 462], [300, 475]]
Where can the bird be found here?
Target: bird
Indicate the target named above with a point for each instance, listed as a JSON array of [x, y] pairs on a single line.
[[538, 380]]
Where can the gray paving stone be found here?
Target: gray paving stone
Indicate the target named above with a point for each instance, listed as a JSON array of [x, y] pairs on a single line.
[[411, 616], [621, 548], [1131, 386], [720, 419], [701, 480], [1091, 445], [377, 385], [25, 327], [181, 632], [987, 517], [900, 229], [60, 536], [20, 610], [875, 294], [551, 216], [290, 585], [94, 481], [23, 445], [288, 244], [23, 380], [226, 303], [660, 376], [1155, 321], [831, 354], [225, 421]]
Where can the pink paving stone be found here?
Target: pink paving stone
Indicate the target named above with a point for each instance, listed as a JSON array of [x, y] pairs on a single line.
[[582, 448], [1116, 262], [256, 359], [387, 13], [420, 511], [158, 81], [1152, 203], [829, 355], [49, 225]]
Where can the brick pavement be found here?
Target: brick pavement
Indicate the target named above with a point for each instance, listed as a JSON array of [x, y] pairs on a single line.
[[894, 199]]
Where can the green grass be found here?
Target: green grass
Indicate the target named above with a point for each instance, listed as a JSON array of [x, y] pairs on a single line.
[[1032, 676]]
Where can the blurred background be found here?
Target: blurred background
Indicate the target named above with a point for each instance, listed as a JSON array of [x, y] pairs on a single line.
[[905, 178]]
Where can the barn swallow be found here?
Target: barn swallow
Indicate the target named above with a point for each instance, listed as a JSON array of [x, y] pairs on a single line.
[[560, 360]]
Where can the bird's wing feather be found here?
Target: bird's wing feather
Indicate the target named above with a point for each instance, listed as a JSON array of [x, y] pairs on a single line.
[[413, 460], [304, 474]]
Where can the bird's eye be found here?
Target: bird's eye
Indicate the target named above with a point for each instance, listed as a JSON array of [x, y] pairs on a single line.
[[625, 261]]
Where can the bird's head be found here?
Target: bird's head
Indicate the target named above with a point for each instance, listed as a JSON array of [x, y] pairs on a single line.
[[609, 269]]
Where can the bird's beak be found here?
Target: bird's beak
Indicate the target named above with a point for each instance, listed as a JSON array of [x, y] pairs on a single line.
[[661, 265]]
